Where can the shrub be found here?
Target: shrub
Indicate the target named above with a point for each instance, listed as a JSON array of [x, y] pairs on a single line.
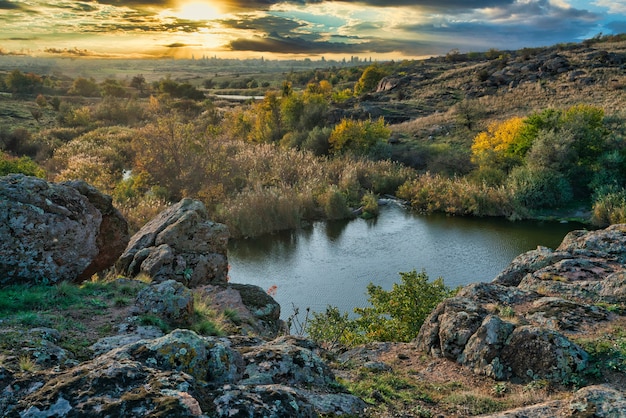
[[369, 79], [334, 204], [495, 146], [398, 314], [394, 315], [535, 189], [609, 207], [358, 137], [23, 165]]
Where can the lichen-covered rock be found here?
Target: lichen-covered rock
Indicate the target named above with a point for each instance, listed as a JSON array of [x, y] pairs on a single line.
[[257, 312], [113, 388], [610, 242], [283, 361], [169, 300], [182, 244], [207, 359], [56, 231], [592, 401], [183, 374], [448, 328], [277, 401], [521, 325], [482, 351], [113, 235], [540, 353], [525, 263]]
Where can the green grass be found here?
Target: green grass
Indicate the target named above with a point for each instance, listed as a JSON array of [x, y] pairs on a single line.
[[69, 308]]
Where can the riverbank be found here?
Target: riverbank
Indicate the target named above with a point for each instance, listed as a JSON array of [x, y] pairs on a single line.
[[166, 344]]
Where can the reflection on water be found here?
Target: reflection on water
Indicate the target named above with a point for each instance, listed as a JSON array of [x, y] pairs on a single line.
[[331, 263]]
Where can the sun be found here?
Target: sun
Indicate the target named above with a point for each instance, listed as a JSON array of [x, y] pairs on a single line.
[[198, 10]]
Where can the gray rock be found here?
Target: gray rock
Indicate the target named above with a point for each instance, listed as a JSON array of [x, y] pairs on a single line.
[[257, 313], [207, 359], [592, 401], [482, 351], [56, 231], [183, 374], [283, 362], [528, 262], [537, 353], [169, 300], [179, 244]]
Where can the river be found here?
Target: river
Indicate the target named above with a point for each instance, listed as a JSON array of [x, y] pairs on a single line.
[[331, 263]]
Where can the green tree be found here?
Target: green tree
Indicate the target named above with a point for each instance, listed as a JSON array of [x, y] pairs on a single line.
[[398, 314], [369, 79], [358, 137], [19, 82], [112, 88], [138, 82], [86, 87], [394, 315]]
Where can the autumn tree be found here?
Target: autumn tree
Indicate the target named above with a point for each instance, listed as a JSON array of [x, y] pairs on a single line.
[[495, 147], [369, 79], [19, 82], [358, 137]]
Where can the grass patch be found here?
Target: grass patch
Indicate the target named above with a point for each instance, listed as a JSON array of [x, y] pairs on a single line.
[[155, 321], [376, 388], [470, 404]]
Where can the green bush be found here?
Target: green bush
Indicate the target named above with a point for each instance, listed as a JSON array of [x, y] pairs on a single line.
[[394, 315], [22, 165], [609, 207], [536, 189], [334, 204]]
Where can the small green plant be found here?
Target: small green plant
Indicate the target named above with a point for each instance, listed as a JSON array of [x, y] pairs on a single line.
[[499, 389], [121, 301], [232, 315], [27, 364], [506, 311], [207, 327], [155, 321]]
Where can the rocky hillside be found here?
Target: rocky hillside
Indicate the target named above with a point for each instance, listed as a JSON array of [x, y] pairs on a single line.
[[166, 334], [504, 83]]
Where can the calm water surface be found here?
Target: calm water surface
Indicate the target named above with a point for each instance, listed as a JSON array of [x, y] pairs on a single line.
[[331, 263]]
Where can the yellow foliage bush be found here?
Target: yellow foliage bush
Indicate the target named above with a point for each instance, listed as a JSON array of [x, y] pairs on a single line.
[[494, 147]]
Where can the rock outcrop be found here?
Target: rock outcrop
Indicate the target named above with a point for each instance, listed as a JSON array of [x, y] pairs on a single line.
[[180, 244], [56, 231], [182, 374], [522, 325]]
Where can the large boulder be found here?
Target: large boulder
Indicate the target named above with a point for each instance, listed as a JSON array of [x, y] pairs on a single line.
[[257, 313], [56, 231], [183, 374], [181, 244], [523, 324]]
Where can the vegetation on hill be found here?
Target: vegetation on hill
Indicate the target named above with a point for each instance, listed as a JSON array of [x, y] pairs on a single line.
[[502, 133]]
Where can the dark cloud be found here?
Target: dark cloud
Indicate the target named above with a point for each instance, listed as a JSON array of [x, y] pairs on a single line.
[[9, 5], [179, 45], [275, 43], [433, 4], [618, 26], [537, 10], [76, 6], [77, 52], [266, 24], [138, 3]]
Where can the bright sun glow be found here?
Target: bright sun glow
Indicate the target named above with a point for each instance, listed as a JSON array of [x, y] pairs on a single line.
[[198, 11]]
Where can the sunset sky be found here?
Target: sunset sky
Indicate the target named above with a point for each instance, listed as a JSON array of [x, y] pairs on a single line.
[[382, 29]]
